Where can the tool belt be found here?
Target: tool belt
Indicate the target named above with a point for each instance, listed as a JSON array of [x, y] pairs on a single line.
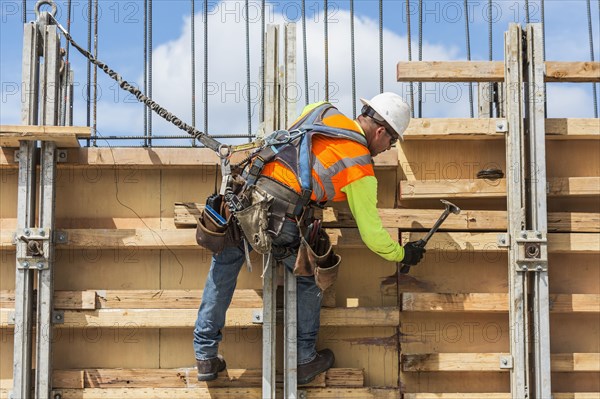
[[211, 232], [316, 256]]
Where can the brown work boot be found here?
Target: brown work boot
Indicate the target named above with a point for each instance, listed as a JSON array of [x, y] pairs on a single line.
[[323, 361], [208, 369]]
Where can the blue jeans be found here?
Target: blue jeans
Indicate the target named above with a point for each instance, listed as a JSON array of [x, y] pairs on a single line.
[[221, 282]]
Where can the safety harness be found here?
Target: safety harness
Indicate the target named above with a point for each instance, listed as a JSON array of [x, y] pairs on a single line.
[[293, 148]]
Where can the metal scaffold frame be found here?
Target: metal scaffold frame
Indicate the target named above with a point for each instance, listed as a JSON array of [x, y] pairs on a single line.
[[527, 225], [44, 93]]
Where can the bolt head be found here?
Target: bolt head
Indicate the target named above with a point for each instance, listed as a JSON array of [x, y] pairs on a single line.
[[504, 361], [26, 264], [538, 234], [42, 233], [539, 268], [58, 317], [40, 265], [27, 232], [524, 234], [524, 268]]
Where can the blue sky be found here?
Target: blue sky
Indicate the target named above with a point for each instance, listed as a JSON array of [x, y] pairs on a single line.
[[121, 47]]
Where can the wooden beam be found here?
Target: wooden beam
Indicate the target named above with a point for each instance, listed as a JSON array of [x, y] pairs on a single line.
[[480, 188], [156, 158], [490, 71], [217, 393], [485, 128], [63, 136], [62, 299], [128, 239], [450, 71], [236, 317], [496, 395], [493, 302], [186, 378], [488, 242], [561, 362]]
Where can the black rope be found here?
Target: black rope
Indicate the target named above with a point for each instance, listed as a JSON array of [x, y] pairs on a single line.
[[193, 50], [141, 97], [411, 93], [249, 110], [527, 11], [304, 50], [591, 41], [205, 65], [24, 11], [468, 39], [326, 45], [381, 46], [353, 58]]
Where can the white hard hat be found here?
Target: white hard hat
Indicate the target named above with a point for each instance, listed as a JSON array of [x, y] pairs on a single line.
[[392, 109]]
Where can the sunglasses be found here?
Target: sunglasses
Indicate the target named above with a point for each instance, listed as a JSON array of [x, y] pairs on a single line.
[[371, 113]]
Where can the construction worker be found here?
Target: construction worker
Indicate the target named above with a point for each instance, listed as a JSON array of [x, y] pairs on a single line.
[[342, 169]]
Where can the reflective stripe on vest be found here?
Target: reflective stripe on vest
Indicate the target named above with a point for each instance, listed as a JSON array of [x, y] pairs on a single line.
[[328, 157]]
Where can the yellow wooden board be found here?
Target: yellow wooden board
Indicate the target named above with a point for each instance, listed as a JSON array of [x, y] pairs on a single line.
[[63, 136]]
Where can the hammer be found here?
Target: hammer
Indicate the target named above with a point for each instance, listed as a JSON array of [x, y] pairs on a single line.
[[450, 208]]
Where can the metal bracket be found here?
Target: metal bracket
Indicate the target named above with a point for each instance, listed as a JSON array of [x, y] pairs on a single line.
[[61, 156], [58, 317], [56, 395], [302, 394], [506, 362], [533, 251], [503, 240], [61, 237], [501, 126], [257, 317], [11, 319], [16, 156], [32, 247]]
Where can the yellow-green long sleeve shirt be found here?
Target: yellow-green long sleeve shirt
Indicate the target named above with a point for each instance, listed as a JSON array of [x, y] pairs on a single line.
[[362, 198]]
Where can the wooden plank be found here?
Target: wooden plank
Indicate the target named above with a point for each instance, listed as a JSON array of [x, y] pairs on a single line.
[[480, 188], [496, 395], [450, 71], [186, 378], [572, 128], [156, 158], [62, 299], [219, 393], [343, 238], [236, 317], [561, 362], [129, 239], [63, 136], [485, 128], [565, 71], [490, 71], [493, 302]]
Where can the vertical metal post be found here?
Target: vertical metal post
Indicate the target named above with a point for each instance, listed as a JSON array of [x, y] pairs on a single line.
[[290, 354], [269, 327], [26, 215], [537, 210], [516, 205], [45, 281]]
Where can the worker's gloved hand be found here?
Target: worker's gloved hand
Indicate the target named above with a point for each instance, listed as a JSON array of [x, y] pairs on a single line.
[[413, 253]]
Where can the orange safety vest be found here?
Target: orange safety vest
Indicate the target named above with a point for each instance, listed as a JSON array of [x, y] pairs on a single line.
[[339, 155]]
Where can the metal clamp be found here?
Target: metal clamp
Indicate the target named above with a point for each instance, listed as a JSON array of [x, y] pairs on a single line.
[[503, 240], [58, 317], [32, 247], [501, 126], [532, 251]]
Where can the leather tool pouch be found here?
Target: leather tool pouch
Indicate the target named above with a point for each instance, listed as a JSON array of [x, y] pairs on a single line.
[[213, 235], [318, 259], [254, 220]]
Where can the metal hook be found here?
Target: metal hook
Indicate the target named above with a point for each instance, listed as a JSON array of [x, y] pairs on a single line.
[[40, 3]]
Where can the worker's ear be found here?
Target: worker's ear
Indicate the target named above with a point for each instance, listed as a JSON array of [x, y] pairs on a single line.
[[380, 131]]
